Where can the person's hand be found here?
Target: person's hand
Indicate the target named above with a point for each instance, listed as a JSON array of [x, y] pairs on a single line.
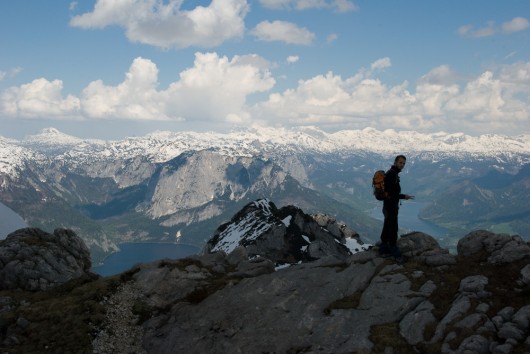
[[407, 197]]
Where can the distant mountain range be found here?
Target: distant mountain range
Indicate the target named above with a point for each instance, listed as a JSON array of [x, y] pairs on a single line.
[[179, 187]]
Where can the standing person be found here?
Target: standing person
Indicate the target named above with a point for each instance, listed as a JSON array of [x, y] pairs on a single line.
[[389, 234]]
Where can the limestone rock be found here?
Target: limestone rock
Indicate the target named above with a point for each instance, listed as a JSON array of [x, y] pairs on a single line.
[[500, 248], [31, 259]]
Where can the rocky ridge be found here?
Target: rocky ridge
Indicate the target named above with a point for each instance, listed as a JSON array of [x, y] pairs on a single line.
[[241, 302]]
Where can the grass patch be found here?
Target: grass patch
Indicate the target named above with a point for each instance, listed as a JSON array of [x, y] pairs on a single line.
[[387, 335], [61, 320], [142, 310], [179, 264]]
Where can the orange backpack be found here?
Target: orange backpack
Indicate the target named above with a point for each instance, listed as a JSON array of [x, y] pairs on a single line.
[[378, 184]]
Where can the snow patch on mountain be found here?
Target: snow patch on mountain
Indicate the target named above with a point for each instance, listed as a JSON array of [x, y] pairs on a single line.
[[249, 228], [13, 157]]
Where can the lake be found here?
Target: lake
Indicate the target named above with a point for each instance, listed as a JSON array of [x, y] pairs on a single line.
[[9, 221], [132, 253]]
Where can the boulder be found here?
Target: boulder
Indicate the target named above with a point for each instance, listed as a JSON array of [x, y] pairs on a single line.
[[501, 248], [32, 259]]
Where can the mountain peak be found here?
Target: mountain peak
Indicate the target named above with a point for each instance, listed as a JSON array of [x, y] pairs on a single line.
[[52, 136]]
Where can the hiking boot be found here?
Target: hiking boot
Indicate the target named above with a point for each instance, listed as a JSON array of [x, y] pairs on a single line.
[[384, 250], [394, 251]]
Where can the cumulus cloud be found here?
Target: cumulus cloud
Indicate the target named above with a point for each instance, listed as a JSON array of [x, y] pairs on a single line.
[[135, 98], [282, 31], [164, 24], [39, 99], [335, 5], [214, 89], [493, 101]]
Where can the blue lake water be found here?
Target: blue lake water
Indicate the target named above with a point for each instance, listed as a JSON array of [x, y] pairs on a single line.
[[409, 221], [9, 221], [133, 253]]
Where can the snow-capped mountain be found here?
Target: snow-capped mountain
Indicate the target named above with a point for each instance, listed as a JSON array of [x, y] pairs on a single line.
[[163, 146]]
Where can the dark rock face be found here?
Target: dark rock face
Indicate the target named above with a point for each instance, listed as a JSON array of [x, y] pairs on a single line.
[[286, 235], [31, 259]]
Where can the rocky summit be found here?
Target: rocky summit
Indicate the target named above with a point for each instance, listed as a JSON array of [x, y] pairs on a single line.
[[286, 235], [249, 295]]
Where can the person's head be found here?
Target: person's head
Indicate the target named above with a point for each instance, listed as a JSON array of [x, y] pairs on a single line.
[[400, 161]]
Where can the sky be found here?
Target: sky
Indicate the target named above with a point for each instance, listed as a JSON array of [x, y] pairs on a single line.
[[110, 69]]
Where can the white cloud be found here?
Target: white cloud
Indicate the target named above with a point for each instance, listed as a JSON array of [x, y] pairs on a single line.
[[344, 6], [470, 31], [135, 98], [497, 102], [10, 74], [515, 25], [381, 64], [164, 25], [336, 5], [292, 59], [441, 75], [282, 31], [39, 99], [214, 89], [331, 38], [518, 73]]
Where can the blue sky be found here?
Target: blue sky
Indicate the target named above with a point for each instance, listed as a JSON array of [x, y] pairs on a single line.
[[109, 69]]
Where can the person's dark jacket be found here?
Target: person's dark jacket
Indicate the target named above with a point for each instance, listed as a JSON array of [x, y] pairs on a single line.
[[392, 186]]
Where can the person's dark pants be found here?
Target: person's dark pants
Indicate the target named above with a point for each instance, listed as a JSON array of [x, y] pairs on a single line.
[[389, 234]]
